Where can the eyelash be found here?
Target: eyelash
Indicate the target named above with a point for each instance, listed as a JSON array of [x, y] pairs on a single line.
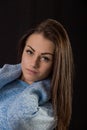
[[45, 59], [29, 52], [42, 58]]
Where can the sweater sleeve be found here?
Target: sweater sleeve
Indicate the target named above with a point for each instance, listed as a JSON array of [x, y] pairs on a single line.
[[9, 73], [25, 113]]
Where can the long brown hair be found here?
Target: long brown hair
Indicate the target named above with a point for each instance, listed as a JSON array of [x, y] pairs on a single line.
[[62, 73]]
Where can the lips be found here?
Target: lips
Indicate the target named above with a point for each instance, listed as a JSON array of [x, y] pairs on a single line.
[[31, 71]]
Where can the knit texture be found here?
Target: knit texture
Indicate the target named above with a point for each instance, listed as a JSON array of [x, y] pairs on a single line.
[[24, 106]]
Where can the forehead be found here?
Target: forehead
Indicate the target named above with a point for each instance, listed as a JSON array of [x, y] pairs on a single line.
[[40, 43]]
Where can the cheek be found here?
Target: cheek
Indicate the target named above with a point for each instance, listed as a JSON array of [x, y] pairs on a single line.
[[47, 69], [24, 59], [23, 62]]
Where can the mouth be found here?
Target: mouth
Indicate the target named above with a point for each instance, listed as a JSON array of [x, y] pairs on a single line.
[[31, 71]]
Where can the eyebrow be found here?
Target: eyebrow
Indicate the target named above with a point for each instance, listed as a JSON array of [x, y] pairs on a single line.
[[45, 53], [30, 47]]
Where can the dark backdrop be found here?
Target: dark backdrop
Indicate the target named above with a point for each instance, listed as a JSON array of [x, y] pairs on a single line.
[[16, 16]]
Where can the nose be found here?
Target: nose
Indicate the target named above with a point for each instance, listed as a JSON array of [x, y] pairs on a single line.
[[35, 62]]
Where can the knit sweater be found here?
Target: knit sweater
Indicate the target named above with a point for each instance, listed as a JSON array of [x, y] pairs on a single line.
[[24, 106]]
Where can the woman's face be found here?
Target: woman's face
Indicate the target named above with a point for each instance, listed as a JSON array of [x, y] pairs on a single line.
[[37, 58]]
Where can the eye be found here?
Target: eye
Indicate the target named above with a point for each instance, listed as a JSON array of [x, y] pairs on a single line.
[[44, 58], [29, 52]]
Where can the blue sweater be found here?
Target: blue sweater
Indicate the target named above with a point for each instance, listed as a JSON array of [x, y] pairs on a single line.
[[24, 106]]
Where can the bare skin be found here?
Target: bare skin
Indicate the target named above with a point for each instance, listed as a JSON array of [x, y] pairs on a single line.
[[37, 58]]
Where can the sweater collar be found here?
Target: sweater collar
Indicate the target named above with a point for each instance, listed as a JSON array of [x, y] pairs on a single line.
[[8, 73]]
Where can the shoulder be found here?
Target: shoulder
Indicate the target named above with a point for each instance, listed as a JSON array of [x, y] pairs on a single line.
[[9, 73], [8, 68]]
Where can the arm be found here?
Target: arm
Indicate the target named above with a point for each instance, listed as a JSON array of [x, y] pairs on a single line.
[[9, 73], [26, 114]]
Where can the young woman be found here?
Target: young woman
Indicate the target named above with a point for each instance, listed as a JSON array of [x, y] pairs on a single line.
[[36, 93]]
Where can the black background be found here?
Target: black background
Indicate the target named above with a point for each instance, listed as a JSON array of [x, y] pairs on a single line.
[[16, 16]]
